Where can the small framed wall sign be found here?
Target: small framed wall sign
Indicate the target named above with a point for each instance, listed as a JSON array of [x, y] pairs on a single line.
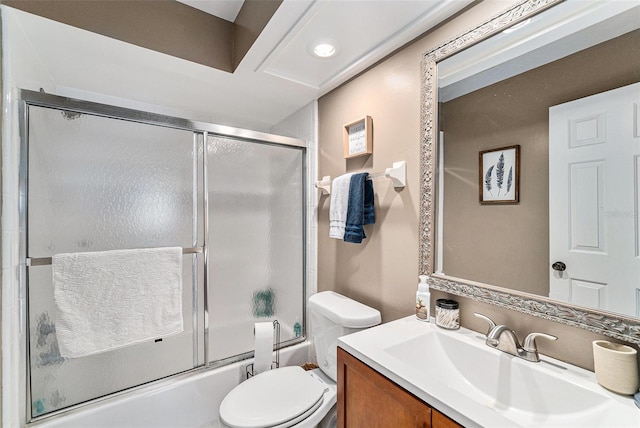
[[358, 138], [500, 175]]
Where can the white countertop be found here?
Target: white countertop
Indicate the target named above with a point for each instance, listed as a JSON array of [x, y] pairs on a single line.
[[448, 391]]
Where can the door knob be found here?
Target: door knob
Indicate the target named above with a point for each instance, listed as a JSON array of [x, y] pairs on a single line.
[[559, 266]]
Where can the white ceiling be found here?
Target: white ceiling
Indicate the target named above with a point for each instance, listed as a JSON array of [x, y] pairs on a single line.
[[275, 79], [365, 31]]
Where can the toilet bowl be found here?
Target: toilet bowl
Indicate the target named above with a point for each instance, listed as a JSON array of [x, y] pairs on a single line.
[[284, 397], [290, 396]]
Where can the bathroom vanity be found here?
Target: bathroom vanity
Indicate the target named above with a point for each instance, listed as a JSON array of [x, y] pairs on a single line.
[[366, 398], [408, 373]]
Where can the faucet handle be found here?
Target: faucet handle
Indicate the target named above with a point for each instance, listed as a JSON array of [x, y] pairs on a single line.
[[492, 325], [530, 341]]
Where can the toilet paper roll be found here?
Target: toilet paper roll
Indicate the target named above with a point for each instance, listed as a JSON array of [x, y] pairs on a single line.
[[263, 347]]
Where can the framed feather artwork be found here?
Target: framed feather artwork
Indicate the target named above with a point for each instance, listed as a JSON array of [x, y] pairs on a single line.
[[499, 175]]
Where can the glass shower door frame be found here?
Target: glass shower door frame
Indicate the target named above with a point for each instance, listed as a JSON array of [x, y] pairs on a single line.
[[201, 130]]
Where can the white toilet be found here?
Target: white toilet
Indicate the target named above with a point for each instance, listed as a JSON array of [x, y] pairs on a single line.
[[291, 396]]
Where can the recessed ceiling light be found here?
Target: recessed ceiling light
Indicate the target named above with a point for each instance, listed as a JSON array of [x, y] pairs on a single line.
[[323, 48]]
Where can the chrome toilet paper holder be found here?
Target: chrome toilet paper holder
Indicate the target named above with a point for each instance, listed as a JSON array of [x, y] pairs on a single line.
[[276, 363]]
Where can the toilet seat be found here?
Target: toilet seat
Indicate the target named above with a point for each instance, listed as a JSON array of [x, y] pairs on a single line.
[[274, 399]]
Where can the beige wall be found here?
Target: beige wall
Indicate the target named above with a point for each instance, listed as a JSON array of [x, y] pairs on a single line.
[[251, 20], [382, 271], [165, 26], [516, 111]]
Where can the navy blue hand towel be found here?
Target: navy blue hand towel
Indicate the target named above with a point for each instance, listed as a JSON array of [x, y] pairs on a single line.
[[360, 208], [369, 215]]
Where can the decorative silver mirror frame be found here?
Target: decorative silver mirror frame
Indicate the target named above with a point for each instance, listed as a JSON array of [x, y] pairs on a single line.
[[605, 323]]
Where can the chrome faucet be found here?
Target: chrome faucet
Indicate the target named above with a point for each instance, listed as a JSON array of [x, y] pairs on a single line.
[[504, 339]]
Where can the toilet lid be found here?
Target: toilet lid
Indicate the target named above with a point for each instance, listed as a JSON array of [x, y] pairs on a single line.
[[271, 398]]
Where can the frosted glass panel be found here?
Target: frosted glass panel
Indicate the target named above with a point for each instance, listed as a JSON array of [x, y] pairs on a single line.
[[99, 184], [57, 383], [255, 242]]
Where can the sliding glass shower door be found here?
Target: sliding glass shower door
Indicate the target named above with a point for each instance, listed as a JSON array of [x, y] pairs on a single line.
[[96, 179], [97, 184]]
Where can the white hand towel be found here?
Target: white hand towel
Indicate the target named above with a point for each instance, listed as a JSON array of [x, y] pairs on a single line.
[[338, 206], [110, 299]]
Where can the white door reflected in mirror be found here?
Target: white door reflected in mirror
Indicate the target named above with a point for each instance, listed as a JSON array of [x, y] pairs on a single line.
[[594, 185]]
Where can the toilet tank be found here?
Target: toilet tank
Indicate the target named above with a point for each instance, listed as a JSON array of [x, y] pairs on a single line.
[[332, 316]]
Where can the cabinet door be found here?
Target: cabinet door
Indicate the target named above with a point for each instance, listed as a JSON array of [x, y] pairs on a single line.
[[369, 400], [438, 420]]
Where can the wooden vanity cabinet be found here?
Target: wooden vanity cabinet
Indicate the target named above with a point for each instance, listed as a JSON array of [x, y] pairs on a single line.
[[367, 399]]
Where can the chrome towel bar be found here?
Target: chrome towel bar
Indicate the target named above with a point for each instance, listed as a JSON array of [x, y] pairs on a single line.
[[43, 261]]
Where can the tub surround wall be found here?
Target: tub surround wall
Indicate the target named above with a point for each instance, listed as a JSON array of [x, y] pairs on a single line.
[[382, 272], [21, 68], [303, 124]]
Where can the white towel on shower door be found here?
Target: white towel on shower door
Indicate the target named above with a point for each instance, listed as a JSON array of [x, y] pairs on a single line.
[[110, 299]]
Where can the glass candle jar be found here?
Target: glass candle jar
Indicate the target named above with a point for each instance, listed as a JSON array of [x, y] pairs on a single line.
[[447, 314]]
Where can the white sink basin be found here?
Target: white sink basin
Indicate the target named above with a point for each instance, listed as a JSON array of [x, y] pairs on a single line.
[[494, 379], [458, 374]]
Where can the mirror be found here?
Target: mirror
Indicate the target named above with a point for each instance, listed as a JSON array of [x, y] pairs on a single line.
[[546, 85]]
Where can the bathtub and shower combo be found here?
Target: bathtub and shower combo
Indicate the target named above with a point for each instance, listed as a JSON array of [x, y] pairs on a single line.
[[97, 178]]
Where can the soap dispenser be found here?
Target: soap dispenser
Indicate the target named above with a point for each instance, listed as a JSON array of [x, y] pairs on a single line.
[[423, 300]]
